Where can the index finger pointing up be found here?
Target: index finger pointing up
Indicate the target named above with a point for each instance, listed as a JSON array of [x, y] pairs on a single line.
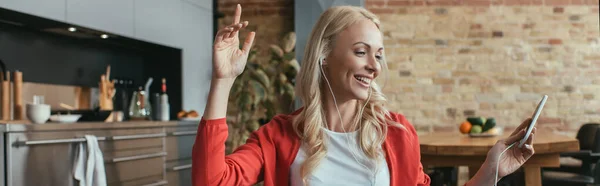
[[238, 14]]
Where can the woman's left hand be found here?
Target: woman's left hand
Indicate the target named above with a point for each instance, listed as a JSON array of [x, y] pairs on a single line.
[[514, 157]]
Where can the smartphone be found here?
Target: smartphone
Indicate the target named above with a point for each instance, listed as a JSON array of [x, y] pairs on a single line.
[[536, 115]]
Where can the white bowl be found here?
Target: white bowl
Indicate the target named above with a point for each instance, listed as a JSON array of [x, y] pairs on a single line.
[[65, 118], [38, 113]]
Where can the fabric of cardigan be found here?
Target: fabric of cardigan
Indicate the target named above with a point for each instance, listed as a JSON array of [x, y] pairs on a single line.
[[270, 151]]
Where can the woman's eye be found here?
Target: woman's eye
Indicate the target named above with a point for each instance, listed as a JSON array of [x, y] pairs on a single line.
[[379, 58], [360, 53]]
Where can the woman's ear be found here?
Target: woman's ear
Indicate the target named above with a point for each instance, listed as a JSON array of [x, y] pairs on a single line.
[[323, 61]]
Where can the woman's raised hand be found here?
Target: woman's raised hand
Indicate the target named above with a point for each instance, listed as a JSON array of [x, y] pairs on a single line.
[[228, 59]]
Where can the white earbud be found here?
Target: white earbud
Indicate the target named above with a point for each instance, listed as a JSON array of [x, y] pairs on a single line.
[[321, 60]]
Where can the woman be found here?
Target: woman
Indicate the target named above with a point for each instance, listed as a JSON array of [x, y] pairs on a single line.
[[343, 135]]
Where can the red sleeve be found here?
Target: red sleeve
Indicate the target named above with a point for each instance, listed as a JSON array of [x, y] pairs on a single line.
[[210, 166], [425, 180], [422, 178]]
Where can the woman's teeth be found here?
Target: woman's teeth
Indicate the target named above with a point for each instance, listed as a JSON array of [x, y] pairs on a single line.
[[364, 79]]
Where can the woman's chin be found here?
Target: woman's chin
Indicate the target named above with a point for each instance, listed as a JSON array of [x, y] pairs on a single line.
[[361, 96]]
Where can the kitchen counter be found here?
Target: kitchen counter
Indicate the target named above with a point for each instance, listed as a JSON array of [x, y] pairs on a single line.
[[140, 153], [26, 126]]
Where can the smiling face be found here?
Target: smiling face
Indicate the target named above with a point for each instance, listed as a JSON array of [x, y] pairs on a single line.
[[355, 60]]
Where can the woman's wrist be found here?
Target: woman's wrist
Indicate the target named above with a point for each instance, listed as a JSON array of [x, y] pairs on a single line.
[[218, 96]]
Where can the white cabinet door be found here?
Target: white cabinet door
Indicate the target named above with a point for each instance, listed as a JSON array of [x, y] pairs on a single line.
[[197, 55], [159, 21], [114, 16], [206, 4], [51, 9]]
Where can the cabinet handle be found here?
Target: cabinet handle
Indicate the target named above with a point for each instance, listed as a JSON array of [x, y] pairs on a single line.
[[184, 133], [74, 140], [163, 182], [181, 167], [138, 136], [143, 156]]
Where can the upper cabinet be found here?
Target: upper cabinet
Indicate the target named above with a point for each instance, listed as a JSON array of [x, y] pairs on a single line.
[[197, 54], [206, 4], [159, 21], [51, 9], [115, 16]]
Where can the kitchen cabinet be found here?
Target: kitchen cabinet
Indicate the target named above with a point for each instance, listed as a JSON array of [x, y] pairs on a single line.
[[159, 21], [51, 9], [197, 56], [113, 16], [141, 153], [179, 142], [206, 4]]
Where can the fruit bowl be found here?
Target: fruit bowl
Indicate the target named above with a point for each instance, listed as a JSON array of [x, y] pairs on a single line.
[[480, 127]]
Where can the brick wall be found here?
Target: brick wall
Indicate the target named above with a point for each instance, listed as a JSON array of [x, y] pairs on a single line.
[[270, 19], [450, 59]]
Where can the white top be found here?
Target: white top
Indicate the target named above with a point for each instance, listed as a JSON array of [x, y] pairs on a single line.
[[340, 166]]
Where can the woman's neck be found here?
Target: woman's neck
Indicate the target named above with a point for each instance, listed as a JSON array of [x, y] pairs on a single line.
[[347, 110]]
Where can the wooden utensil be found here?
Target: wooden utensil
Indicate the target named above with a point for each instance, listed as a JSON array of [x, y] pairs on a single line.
[[68, 107], [6, 97], [19, 112]]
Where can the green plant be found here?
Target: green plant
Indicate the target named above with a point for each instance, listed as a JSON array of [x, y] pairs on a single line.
[[264, 89]]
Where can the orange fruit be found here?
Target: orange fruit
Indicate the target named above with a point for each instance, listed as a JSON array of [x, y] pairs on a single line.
[[465, 127]]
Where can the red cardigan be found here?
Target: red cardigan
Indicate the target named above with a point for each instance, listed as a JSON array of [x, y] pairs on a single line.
[[270, 151]]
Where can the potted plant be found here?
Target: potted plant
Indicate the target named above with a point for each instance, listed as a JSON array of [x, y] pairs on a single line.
[[264, 89]]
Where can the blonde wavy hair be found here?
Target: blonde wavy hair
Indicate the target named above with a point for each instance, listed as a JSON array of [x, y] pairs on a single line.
[[373, 118]]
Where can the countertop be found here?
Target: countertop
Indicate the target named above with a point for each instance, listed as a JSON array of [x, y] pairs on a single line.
[[26, 126]]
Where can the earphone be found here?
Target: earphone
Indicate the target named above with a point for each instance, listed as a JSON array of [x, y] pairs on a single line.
[[321, 59]]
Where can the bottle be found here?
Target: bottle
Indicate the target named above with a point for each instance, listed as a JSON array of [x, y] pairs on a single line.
[[156, 106], [164, 102]]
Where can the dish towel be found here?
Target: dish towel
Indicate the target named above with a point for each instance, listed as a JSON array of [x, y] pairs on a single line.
[[88, 168]]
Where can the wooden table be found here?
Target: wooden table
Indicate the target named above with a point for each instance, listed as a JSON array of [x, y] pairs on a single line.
[[452, 149]]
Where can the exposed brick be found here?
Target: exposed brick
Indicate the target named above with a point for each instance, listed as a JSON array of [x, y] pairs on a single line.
[[371, 4], [447, 89], [568, 89], [440, 42], [382, 10], [456, 61], [592, 2], [556, 2], [399, 3], [405, 73], [477, 2], [443, 81], [468, 113], [475, 26], [517, 2], [451, 112], [441, 11], [548, 120], [559, 10], [497, 34], [528, 25], [418, 2], [555, 41], [442, 2], [578, 25], [544, 49], [485, 106]]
